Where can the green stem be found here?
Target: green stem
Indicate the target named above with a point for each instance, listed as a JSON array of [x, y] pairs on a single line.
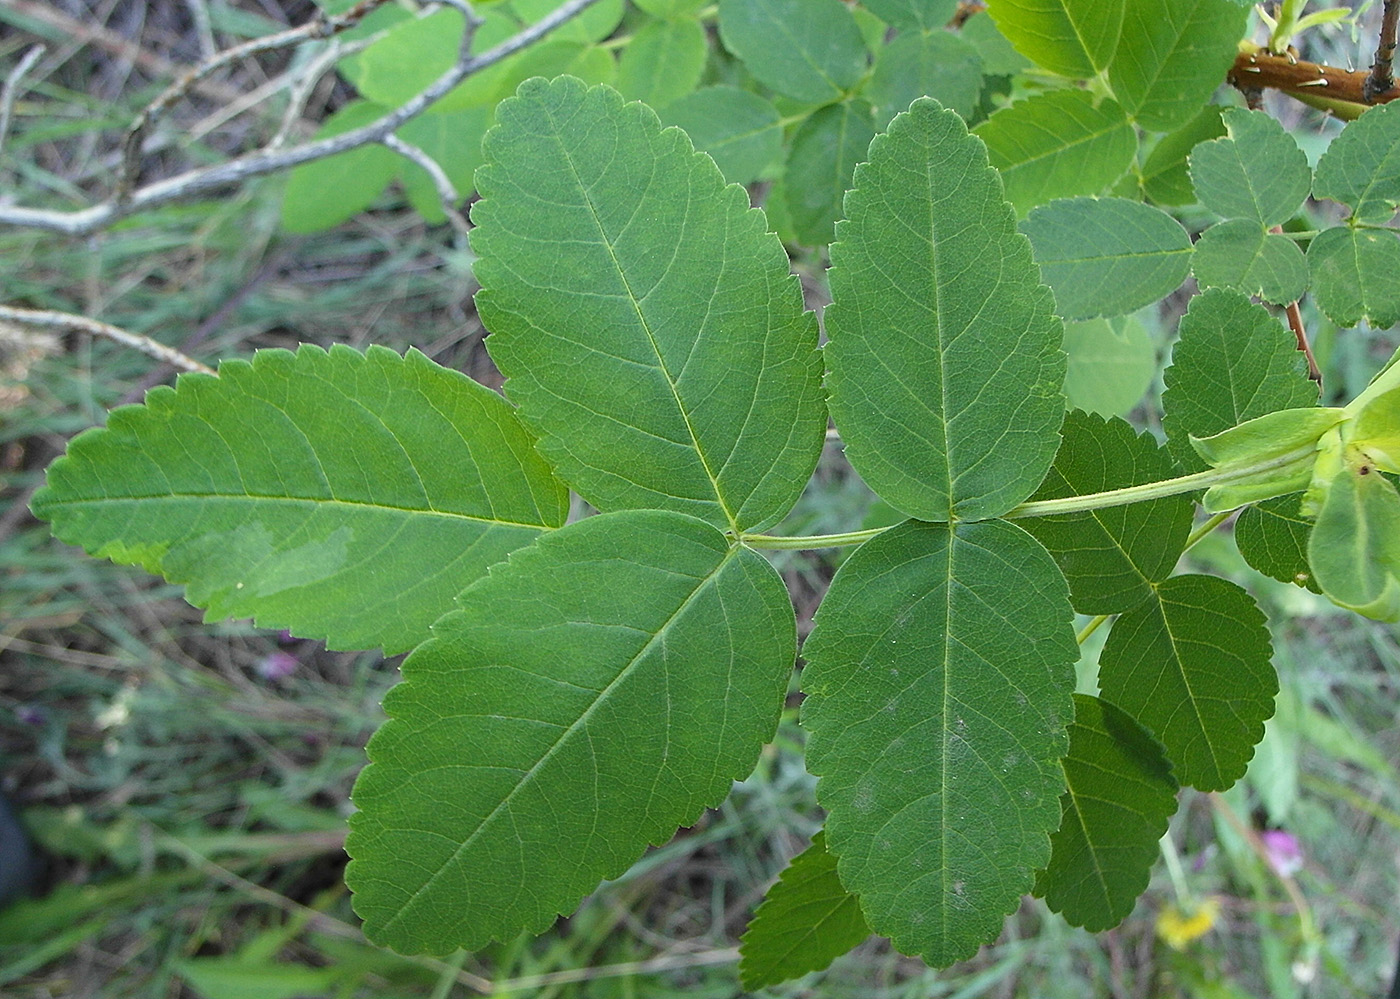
[[1069, 504]]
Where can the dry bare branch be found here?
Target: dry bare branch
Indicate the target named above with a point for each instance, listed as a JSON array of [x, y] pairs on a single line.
[[46, 319]]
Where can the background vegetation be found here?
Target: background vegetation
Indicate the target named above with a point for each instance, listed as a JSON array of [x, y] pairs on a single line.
[[188, 782]]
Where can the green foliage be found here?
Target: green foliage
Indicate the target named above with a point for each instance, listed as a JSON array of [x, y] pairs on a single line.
[[574, 693]]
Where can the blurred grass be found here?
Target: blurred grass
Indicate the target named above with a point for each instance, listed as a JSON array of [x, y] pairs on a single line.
[[192, 803]]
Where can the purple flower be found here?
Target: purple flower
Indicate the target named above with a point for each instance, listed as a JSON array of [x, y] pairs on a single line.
[[276, 666], [1283, 851]]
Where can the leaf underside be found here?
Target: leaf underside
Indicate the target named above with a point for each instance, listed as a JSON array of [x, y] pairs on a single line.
[[592, 694], [938, 685], [343, 496]]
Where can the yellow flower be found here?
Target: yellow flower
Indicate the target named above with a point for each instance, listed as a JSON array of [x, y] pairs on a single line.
[[1178, 929]]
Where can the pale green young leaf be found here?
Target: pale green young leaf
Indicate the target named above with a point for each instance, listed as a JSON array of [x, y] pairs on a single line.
[[1233, 362], [1165, 176], [415, 52], [324, 193], [809, 50], [1361, 168], [1287, 439], [806, 921], [1107, 256], [936, 64], [938, 685], [1075, 38], [820, 164], [1057, 145], [598, 690], [1242, 255], [1121, 793], [1110, 556], [944, 361], [1171, 56], [344, 496], [663, 61], [1192, 664], [453, 140], [913, 15], [1111, 365], [1256, 171], [1272, 536], [1356, 275], [742, 131], [646, 321], [1354, 550]]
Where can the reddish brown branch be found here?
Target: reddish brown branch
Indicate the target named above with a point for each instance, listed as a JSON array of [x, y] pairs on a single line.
[[1253, 70]]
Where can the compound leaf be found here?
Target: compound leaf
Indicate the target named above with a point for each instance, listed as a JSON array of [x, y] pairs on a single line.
[[1171, 55], [1075, 38], [1111, 365], [344, 496], [809, 50], [1356, 275], [1361, 167], [646, 321], [821, 161], [663, 61], [1057, 145], [1192, 664], [1242, 255], [1255, 171], [1120, 795], [1110, 556], [742, 131], [1232, 363], [938, 685], [806, 921], [936, 64], [1107, 256], [944, 361], [593, 693]]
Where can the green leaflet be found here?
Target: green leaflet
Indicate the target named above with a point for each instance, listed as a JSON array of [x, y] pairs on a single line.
[[938, 685], [809, 50], [324, 193], [375, 489], [944, 362], [646, 321], [1074, 38], [1057, 145], [1273, 538], [670, 8], [1361, 168], [820, 163], [1356, 276], [453, 140], [1354, 550], [1192, 664], [1120, 793], [806, 921], [1111, 365], [913, 15], [1232, 363], [1241, 255], [937, 64], [1171, 56], [1110, 557], [1107, 256], [1255, 172], [663, 61], [742, 131], [595, 692]]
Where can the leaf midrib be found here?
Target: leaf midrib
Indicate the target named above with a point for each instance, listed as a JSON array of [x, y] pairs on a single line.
[[566, 735]]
